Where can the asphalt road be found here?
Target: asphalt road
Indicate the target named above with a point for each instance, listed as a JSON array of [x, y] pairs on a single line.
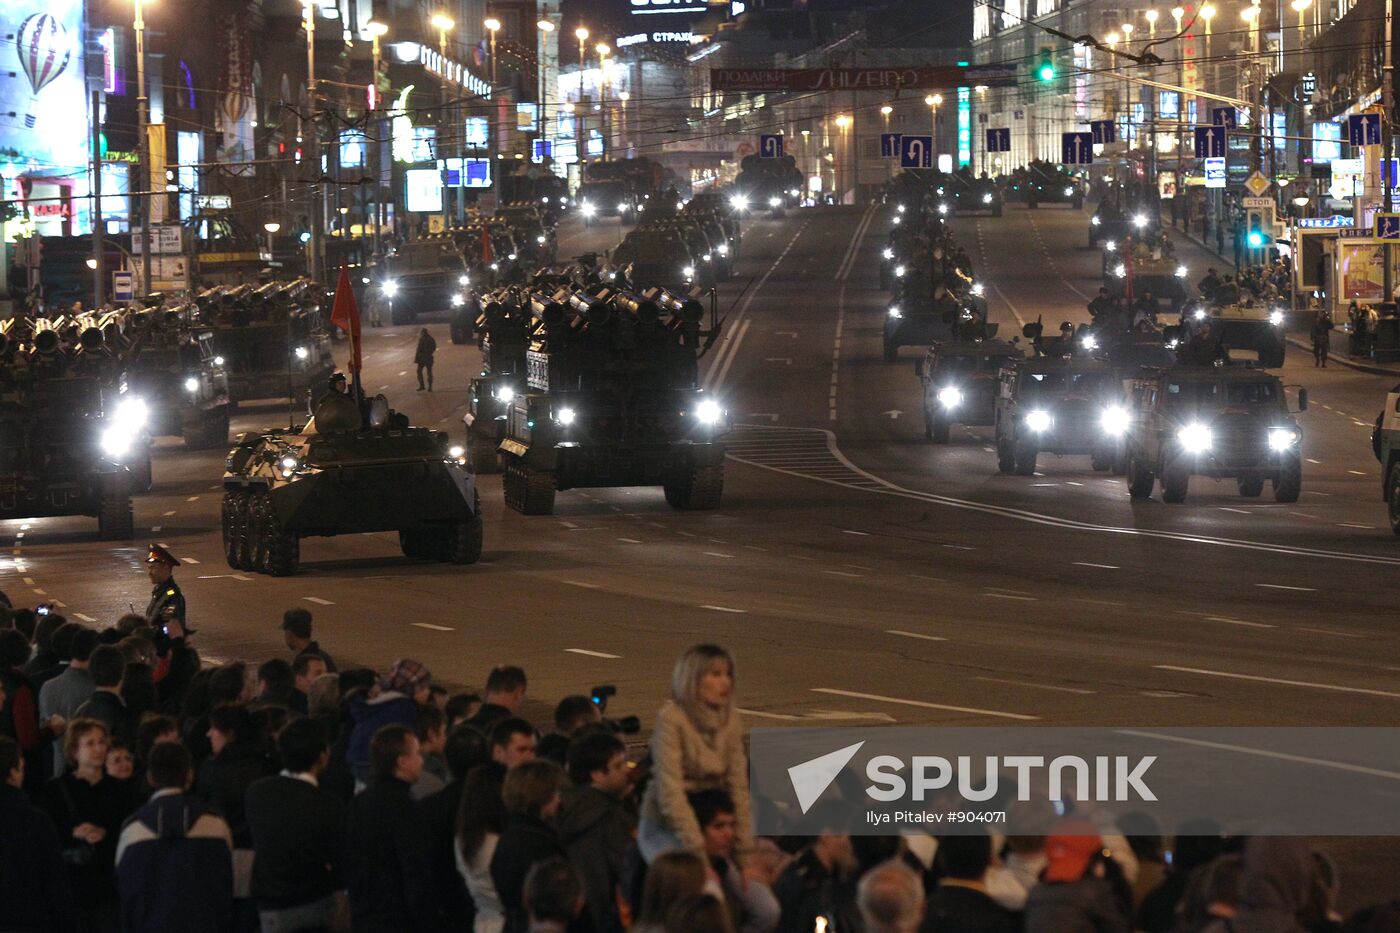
[[860, 573]]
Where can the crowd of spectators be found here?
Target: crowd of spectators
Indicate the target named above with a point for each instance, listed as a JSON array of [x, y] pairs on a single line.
[[141, 790]]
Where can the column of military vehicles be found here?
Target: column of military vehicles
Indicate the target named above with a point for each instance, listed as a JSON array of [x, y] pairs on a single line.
[[1156, 404]]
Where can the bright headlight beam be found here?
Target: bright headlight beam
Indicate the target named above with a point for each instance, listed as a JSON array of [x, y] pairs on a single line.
[[191, 384], [709, 412], [456, 452], [1276, 318], [390, 288], [1280, 439], [116, 441], [1038, 421], [1195, 438], [895, 312], [1114, 420], [1181, 272], [566, 416], [950, 396]]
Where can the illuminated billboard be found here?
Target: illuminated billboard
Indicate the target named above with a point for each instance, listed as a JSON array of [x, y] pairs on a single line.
[[42, 87]]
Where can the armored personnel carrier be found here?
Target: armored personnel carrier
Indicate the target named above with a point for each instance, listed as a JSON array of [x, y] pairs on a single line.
[[273, 337], [421, 277], [1062, 405], [1246, 322], [348, 473], [71, 443], [960, 380], [613, 398]]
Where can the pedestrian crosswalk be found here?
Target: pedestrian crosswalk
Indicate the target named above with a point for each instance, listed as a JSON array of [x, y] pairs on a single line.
[[807, 452]]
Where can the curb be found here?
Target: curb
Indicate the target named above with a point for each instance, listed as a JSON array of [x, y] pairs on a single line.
[[1347, 362]]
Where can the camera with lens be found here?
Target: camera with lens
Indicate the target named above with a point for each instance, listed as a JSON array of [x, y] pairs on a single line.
[[627, 725]]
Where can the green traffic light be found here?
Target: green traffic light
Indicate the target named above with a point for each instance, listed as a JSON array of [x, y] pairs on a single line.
[[1255, 238], [1047, 72]]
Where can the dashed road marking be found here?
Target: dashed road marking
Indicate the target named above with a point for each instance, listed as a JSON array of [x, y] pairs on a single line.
[[923, 704], [848, 531], [586, 586], [1229, 621], [918, 635], [724, 609], [1329, 631], [1281, 586], [594, 654], [1085, 563], [170, 513], [1035, 686], [629, 540], [719, 554], [428, 625], [83, 618], [1231, 675], [192, 499], [841, 573], [318, 600], [1024, 599]]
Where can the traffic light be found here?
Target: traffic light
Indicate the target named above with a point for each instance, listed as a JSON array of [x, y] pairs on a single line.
[[1258, 229], [1256, 239], [1046, 69]]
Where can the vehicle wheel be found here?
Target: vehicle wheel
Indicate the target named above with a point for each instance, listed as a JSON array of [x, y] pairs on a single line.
[[1251, 487], [1288, 484], [1006, 456], [1101, 460], [938, 429], [701, 490], [281, 549], [253, 530], [464, 538], [1140, 479], [115, 521], [414, 543], [1176, 478], [1392, 498], [529, 491], [1025, 459], [481, 454], [233, 517], [891, 352]]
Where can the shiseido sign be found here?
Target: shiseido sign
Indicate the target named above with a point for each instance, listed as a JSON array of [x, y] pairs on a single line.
[[856, 79]]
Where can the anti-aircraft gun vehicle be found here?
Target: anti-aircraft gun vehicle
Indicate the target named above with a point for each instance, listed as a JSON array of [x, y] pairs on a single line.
[[503, 326], [272, 337], [613, 398], [349, 470], [71, 443]]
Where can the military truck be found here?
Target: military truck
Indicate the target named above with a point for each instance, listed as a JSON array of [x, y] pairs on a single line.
[[1062, 405], [1045, 183], [272, 338], [929, 306], [421, 277], [959, 380], [71, 442], [504, 329], [1385, 441], [657, 256], [613, 398], [348, 472], [973, 195], [1247, 323], [1226, 422]]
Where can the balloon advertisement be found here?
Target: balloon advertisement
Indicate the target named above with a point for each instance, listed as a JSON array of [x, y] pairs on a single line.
[[43, 107]]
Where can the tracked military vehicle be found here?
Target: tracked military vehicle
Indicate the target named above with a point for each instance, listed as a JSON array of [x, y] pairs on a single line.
[[613, 398], [272, 337], [348, 473], [71, 443]]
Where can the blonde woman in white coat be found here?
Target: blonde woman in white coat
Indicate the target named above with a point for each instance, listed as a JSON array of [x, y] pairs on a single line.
[[697, 744]]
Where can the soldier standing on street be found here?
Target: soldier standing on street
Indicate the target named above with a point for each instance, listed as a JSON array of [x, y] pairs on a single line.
[[423, 358], [167, 602]]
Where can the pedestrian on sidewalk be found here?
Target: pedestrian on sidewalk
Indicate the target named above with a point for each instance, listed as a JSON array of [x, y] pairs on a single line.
[[1321, 337], [423, 357]]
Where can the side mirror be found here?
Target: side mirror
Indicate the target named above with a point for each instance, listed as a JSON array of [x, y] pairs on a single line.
[[1302, 399]]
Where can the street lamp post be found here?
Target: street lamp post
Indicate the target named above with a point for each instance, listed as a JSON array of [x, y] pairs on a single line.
[[1207, 13], [1178, 14], [581, 137], [316, 243], [546, 27], [493, 26], [271, 227], [1250, 15], [143, 143], [622, 137], [933, 100], [603, 50], [377, 31], [444, 24], [843, 122]]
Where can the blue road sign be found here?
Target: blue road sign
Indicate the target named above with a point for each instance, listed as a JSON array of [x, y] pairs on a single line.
[[122, 287], [1210, 142], [770, 146], [1364, 129], [1390, 172], [542, 149], [889, 145], [999, 140], [1077, 148], [1215, 172], [1104, 131], [1224, 116], [916, 152], [1388, 226]]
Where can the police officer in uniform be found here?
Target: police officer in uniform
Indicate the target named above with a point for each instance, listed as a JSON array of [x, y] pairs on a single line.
[[167, 602]]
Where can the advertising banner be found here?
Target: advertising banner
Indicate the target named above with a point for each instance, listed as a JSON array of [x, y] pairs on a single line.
[[855, 79], [1361, 268], [42, 99]]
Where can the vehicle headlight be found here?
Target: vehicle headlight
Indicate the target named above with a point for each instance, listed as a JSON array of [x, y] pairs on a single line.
[[977, 288], [539, 240], [1120, 270], [1195, 437], [456, 452], [464, 280], [1069, 192], [1200, 314], [586, 209], [896, 219], [895, 313], [191, 384], [1276, 318], [887, 253], [495, 267], [708, 258], [723, 249], [943, 208], [116, 441], [1090, 342], [1114, 420], [1181, 272], [458, 301], [504, 394], [899, 272], [709, 412], [131, 414], [1139, 220], [218, 361], [1110, 245], [688, 272], [289, 464], [986, 199], [794, 192], [622, 207], [774, 201], [1038, 421], [565, 416], [899, 207], [511, 257], [302, 353], [950, 396], [739, 202], [1095, 220], [390, 288], [1280, 439]]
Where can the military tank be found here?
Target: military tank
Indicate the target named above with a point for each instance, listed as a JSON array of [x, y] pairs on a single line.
[[348, 471]]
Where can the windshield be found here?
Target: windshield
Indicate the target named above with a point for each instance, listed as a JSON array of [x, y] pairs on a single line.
[[609, 189], [1043, 384], [1251, 393], [420, 256], [1182, 393]]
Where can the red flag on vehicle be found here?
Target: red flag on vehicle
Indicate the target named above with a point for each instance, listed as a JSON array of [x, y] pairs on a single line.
[[345, 314], [488, 255]]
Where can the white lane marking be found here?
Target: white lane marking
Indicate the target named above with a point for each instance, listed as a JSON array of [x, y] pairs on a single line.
[[629, 540], [1085, 563], [848, 260], [918, 576], [28, 581], [841, 573], [569, 525], [189, 560], [1354, 525], [836, 353], [1024, 599], [1229, 621], [428, 625], [1265, 753], [720, 365], [1070, 482], [40, 592], [318, 600], [1329, 631], [593, 654], [1226, 508], [192, 499], [687, 534], [155, 528], [1035, 686], [959, 547], [718, 554], [1358, 472], [586, 586], [1315, 462], [733, 354], [1230, 675], [724, 609], [1281, 586], [848, 531], [755, 547], [83, 618], [170, 513], [241, 577], [765, 715], [918, 635], [923, 704]]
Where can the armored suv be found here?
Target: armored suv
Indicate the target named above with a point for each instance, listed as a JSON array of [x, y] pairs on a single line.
[[960, 382], [1058, 405]]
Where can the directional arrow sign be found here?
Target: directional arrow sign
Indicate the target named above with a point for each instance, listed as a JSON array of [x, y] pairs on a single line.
[[1077, 148], [999, 140], [1224, 116], [770, 146], [1210, 142], [1364, 129], [889, 145], [1104, 131], [916, 152]]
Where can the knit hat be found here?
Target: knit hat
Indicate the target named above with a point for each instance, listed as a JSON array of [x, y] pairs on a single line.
[[407, 675], [1070, 850]]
